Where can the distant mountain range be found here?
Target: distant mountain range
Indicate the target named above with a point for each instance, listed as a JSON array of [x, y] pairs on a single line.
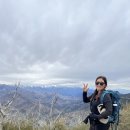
[[122, 91], [32, 98], [61, 91], [68, 99], [68, 91]]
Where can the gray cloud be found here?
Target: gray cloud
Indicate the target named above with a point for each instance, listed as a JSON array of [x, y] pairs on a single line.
[[74, 40]]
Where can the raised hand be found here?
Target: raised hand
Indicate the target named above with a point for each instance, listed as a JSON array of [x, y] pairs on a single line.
[[85, 87]]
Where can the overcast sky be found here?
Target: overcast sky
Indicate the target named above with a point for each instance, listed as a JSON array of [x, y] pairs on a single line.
[[64, 41]]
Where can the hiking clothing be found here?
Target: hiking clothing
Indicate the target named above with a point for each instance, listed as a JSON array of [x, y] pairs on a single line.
[[99, 126], [95, 124]]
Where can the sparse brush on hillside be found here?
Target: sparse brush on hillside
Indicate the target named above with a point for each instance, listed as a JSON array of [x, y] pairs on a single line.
[[125, 118], [60, 125], [80, 127], [8, 126], [57, 126]]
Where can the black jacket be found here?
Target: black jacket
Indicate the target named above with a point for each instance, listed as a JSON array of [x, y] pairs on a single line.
[[107, 103]]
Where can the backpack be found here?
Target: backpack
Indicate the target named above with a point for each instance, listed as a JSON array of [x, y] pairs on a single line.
[[115, 96]]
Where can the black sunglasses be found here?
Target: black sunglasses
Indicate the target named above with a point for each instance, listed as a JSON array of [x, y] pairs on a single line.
[[100, 83]]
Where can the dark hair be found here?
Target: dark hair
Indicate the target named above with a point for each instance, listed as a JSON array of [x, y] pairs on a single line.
[[96, 92], [103, 78]]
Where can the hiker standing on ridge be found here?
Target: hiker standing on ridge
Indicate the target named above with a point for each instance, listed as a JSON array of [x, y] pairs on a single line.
[[96, 116]]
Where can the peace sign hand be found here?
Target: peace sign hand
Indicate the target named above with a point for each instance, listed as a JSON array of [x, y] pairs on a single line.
[[85, 87]]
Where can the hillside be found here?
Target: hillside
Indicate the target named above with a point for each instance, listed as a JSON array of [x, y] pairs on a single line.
[[36, 102], [125, 118], [60, 125], [29, 101]]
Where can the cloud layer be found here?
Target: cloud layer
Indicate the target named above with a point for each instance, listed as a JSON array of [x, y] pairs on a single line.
[[64, 40]]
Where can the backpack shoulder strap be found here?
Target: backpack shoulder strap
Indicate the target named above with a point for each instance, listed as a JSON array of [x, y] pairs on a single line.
[[103, 94]]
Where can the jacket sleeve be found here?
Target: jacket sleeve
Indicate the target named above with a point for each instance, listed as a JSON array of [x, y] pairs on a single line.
[[85, 98], [107, 102]]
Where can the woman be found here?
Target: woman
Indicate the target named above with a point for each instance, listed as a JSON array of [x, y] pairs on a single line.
[[94, 99]]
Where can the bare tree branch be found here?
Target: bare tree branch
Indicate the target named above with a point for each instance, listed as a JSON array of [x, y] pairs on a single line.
[[54, 100], [13, 97]]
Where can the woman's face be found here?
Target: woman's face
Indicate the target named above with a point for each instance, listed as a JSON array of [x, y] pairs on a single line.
[[100, 84]]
